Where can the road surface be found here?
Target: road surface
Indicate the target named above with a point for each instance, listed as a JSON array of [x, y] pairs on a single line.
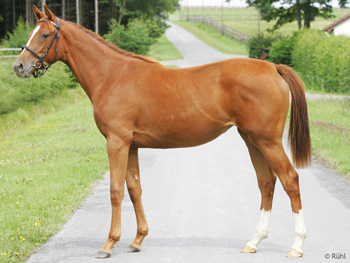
[[202, 204]]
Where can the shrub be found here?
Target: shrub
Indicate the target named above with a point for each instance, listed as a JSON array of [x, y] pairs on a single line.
[[137, 37], [257, 43], [15, 92], [323, 60], [281, 50], [19, 36]]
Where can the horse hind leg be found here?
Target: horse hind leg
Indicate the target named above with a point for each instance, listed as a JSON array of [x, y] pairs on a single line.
[[135, 191], [266, 181], [280, 164]]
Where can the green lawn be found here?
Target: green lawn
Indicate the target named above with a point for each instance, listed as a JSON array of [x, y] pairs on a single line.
[[330, 132], [250, 27], [48, 164], [245, 20], [163, 50]]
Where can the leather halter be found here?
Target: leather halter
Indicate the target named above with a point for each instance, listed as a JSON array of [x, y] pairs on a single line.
[[40, 65]]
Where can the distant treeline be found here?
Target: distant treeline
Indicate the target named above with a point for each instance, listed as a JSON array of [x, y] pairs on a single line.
[[121, 10], [13, 9]]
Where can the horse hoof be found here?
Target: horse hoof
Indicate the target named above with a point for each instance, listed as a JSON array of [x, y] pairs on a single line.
[[294, 254], [248, 249], [134, 248], [103, 254]]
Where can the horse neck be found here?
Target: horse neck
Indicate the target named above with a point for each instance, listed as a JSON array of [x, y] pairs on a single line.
[[91, 61]]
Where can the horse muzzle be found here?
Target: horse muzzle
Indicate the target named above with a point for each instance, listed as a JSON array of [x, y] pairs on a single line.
[[23, 70]]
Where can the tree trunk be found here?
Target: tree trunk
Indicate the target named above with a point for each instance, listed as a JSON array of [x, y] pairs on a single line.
[[121, 11], [299, 13], [14, 13], [43, 2], [96, 16], [64, 9], [27, 11], [307, 14], [77, 9]]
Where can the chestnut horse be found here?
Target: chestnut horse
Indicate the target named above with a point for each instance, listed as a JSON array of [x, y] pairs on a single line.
[[139, 103]]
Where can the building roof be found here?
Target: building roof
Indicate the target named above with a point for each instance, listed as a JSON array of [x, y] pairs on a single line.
[[338, 22]]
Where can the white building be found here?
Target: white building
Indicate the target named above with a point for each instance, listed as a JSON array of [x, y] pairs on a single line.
[[339, 27]]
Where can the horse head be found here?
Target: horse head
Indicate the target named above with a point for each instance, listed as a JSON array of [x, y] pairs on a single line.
[[42, 49]]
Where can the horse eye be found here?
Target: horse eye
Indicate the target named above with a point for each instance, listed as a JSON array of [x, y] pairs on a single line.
[[44, 36]]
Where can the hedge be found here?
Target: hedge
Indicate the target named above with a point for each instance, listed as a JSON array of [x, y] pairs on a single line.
[[15, 92], [137, 36], [323, 60]]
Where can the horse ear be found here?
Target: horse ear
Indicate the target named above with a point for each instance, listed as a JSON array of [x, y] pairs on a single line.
[[39, 15], [50, 15]]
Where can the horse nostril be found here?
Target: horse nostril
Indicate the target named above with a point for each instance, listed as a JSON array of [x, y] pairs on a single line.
[[20, 67]]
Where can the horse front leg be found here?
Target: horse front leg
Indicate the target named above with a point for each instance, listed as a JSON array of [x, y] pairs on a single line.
[[135, 191], [118, 159]]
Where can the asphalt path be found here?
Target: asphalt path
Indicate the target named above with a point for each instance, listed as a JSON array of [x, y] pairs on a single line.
[[202, 204]]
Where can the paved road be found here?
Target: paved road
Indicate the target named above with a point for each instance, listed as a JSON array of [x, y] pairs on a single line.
[[202, 205]]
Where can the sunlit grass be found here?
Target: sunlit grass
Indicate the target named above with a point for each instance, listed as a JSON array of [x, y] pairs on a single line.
[[245, 20], [48, 164], [163, 49], [250, 27], [330, 132]]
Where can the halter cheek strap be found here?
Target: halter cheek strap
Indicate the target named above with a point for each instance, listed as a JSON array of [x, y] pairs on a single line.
[[40, 65]]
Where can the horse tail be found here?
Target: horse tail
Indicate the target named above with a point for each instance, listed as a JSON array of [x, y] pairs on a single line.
[[299, 133]]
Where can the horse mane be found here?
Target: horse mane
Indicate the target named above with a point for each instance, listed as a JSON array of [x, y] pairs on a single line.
[[112, 46]]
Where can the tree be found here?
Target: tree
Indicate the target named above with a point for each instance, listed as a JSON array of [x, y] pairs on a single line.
[[121, 10], [294, 10], [124, 10]]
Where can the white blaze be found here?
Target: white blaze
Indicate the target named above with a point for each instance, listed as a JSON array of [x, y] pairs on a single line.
[[30, 39]]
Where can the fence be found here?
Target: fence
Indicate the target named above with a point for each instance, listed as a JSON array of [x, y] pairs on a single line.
[[226, 17], [230, 32], [9, 49]]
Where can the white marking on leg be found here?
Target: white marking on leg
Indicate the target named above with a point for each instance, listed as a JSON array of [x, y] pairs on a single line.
[[30, 39], [300, 231], [262, 230], [136, 177]]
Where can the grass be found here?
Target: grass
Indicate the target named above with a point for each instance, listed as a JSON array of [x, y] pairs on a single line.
[[163, 49], [214, 38], [245, 20], [250, 27], [49, 161], [330, 132]]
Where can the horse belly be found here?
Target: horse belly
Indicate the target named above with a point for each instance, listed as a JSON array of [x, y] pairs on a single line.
[[179, 134]]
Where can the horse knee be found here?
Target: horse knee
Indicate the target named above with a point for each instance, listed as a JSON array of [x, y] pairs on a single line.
[[117, 195], [267, 188]]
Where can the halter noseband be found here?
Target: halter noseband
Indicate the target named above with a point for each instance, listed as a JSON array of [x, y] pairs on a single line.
[[40, 65]]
